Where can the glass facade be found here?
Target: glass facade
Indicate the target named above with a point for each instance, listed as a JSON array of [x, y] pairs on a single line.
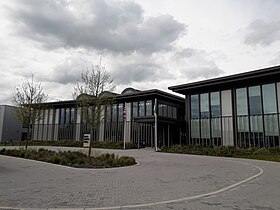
[[145, 109], [205, 119], [135, 109], [141, 108], [149, 108], [257, 120], [168, 111]]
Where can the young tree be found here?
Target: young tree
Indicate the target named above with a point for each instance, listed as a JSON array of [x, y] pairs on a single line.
[[28, 99], [93, 92]]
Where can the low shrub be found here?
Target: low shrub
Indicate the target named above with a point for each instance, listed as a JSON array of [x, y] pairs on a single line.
[[67, 143], [227, 151], [69, 158]]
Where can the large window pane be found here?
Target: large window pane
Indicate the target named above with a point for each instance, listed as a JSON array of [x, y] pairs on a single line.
[[62, 116], [255, 100], [194, 107], [149, 109], [169, 109], [269, 99], [241, 102], [204, 105], [120, 111], [108, 113], [141, 108], [174, 113], [160, 109], [73, 115], [215, 104], [205, 128], [67, 116], [135, 109], [114, 113], [195, 128]]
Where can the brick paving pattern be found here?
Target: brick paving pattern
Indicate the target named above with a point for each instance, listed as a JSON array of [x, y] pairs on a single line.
[[158, 177]]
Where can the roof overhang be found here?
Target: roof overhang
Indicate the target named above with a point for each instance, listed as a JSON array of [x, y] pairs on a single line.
[[255, 77]]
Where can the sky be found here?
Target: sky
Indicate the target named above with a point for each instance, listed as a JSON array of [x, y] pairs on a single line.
[[144, 44]]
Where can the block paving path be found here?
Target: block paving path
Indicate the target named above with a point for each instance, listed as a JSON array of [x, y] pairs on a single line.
[[158, 178]]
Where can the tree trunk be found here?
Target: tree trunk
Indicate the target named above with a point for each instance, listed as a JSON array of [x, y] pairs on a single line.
[[27, 137]]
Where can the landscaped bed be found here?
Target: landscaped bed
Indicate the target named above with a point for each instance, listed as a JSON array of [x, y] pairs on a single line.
[[73, 159], [271, 154], [67, 143]]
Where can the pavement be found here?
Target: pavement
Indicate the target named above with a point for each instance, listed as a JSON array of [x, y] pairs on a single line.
[[159, 181]]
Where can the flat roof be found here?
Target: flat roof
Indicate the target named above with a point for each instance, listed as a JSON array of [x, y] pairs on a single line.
[[130, 96], [254, 77]]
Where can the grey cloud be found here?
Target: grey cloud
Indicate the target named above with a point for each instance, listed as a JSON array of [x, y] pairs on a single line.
[[205, 72], [67, 72], [101, 25], [185, 53], [197, 63], [263, 33], [140, 72]]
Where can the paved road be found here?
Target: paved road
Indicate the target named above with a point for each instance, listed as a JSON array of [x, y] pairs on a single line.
[[158, 182]]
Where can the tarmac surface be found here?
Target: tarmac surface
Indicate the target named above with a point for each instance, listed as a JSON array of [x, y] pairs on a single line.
[[159, 181]]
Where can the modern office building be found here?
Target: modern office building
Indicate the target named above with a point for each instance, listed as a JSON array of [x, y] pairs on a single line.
[[130, 118], [239, 110], [10, 127]]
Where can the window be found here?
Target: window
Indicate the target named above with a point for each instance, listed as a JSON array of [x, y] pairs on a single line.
[[114, 113], [269, 99], [135, 109], [241, 101], [108, 113], [255, 105], [169, 108], [174, 113], [204, 105], [120, 111], [194, 107], [215, 104], [149, 109], [141, 108], [160, 109], [67, 116], [73, 117], [62, 116]]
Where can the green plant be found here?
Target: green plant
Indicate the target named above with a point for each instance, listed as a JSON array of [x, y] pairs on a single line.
[[75, 159]]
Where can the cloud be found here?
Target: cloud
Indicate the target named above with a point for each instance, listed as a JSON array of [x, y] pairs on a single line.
[[140, 72], [262, 33], [115, 26], [203, 71], [196, 63], [68, 72]]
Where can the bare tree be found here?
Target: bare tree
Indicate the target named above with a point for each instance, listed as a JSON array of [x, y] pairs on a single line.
[[28, 99], [93, 92]]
